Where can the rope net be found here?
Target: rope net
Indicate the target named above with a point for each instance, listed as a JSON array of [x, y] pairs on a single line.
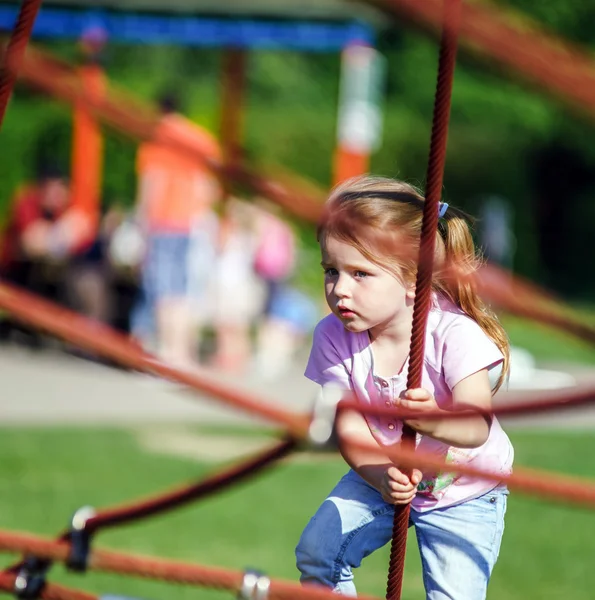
[[423, 284], [517, 296]]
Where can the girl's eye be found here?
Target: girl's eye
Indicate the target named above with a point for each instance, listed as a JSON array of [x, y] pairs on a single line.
[[361, 274], [330, 272]]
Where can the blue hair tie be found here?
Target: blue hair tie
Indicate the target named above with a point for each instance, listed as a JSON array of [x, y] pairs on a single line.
[[443, 209]]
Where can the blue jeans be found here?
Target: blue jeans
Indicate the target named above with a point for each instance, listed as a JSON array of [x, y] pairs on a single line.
[[164, 274], [459, 545], [165, 270]]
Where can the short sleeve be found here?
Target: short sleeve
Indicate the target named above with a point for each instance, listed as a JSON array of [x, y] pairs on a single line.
[[467, 350], [326, 365]]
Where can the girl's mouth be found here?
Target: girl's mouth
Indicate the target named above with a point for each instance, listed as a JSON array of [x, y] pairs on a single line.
[[346, 313]]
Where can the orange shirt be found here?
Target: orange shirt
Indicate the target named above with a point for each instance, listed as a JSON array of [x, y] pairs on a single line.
[[178, 187]]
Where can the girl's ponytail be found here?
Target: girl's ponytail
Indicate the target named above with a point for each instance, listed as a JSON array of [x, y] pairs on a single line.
[[461, 253]]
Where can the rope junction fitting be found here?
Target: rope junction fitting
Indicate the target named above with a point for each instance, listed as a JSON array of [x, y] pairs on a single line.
[[31, 578], [255, 586], [80, 539]]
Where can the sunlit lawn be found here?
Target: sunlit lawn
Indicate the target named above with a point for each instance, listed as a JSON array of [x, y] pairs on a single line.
[[548, 344], [47, 474]]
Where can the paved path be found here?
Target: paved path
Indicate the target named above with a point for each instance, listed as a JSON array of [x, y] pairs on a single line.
[[51, 388], [46, 388]]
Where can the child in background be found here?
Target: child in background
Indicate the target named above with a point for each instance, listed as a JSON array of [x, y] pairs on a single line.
[[369, 237], [237, 293]]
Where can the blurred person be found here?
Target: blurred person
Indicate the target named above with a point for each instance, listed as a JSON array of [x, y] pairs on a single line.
[[275, 256], [42, 234], [279, 326], [89, 282], [203, 262], [291, 317], [237, 293], [369, 239], [174, 192], [125, 252]]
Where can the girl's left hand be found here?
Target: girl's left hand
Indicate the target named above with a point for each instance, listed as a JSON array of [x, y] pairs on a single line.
[[419, 399]]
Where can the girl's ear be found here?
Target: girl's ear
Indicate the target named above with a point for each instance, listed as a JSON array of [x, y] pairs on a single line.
[[410, 291]]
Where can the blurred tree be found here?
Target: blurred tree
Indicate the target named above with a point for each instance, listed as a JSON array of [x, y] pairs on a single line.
[[506, 139]]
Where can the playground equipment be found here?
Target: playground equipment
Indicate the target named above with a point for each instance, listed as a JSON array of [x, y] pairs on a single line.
[[44, 315]]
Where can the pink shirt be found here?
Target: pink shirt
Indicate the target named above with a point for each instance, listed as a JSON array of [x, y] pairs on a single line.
[[456, 347]]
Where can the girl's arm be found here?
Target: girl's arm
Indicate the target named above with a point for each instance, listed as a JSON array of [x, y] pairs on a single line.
[[471, 395], [376, 469]]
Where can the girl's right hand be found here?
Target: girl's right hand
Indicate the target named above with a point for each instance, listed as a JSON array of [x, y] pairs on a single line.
[[397, 487]]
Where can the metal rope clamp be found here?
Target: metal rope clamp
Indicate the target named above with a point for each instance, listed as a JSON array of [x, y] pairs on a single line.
[[80, 539], [255, 586], [30, 579], [321, 431]]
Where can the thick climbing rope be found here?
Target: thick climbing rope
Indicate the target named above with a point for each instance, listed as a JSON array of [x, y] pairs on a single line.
[[548, 402], [541, 484], [159, 504], [50, 591], [138, 120], [101, 340], [156, 568], [16, 50], [96, 337], [423, 288], [148, 507], [515, 43], [502, 289]]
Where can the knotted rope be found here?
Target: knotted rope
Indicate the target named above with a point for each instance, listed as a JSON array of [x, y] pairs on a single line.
[[421, 307]]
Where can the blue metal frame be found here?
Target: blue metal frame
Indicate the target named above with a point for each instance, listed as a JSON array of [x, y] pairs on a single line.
[[185, 30]]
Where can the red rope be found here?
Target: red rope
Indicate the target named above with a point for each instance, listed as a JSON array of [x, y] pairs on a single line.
[[527, 300], [423, 289], [138, 120], [515, 43], [404, 455], [89, 334], [155, 568], [517, 406], [539, 483], [50, 591], [96, 338], [16, 50], [164, 502], [101, 339], [219, 481]]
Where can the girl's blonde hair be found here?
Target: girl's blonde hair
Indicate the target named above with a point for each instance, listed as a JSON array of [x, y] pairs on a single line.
[[382, 218]]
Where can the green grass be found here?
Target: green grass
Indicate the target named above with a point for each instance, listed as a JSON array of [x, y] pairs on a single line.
[[547, 343], [47, 474]]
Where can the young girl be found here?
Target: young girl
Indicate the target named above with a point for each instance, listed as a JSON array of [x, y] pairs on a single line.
[[369, 237]]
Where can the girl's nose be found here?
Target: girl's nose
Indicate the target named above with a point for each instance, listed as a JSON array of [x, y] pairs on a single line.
[[341, 288]]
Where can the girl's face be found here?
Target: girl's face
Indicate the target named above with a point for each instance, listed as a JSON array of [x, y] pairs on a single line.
[[361, 293]]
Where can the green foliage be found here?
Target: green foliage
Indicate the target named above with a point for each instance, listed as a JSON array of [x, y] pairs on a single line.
[[546, 343], [501, 133]]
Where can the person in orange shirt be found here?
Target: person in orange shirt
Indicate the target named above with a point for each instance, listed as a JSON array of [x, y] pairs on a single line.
[[175, 192]]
